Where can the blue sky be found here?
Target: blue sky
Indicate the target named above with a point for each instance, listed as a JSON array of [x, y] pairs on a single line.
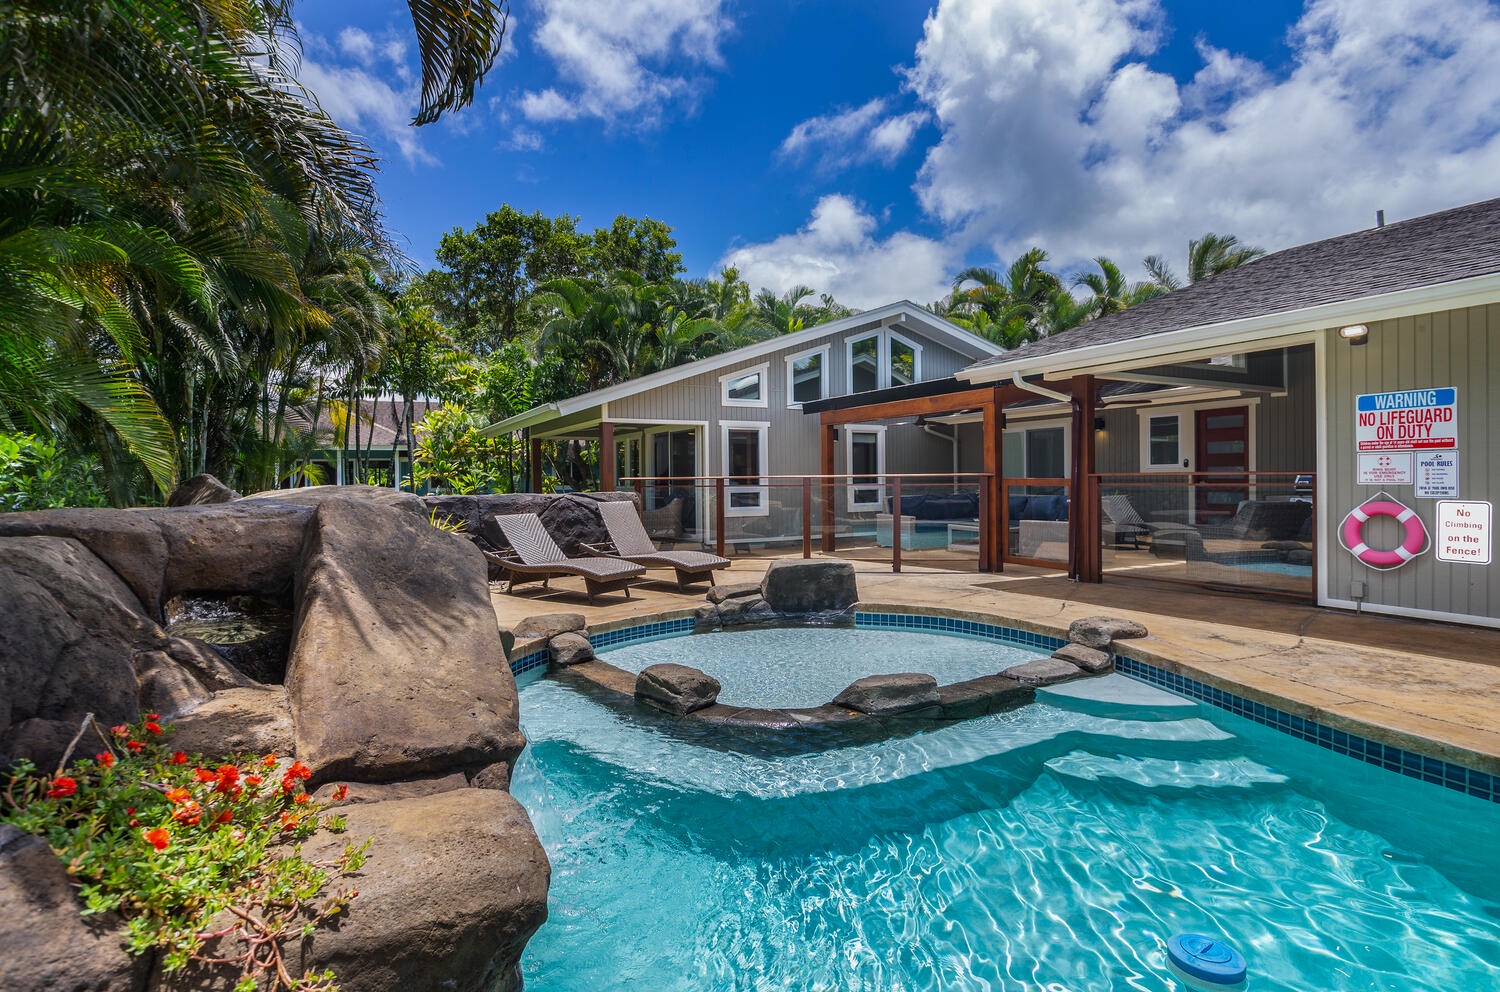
[[873, 150]]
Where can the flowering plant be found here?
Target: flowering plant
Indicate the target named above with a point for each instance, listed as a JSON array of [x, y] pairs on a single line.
[[178, 847]]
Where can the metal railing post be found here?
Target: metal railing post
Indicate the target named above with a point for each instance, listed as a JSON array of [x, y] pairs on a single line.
[[896, 526], [719, 516], [807, 516]]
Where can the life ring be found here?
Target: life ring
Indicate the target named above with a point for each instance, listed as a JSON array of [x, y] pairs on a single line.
[[1352, 536]]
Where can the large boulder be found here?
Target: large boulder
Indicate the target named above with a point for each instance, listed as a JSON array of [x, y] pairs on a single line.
[[238, 721], [1043, 671], [45, 940], [883, 695], [1089, 659], [129, 542], [74, 641], [368, 495], [397, 668], [570, 649], [1100, 632], [201, 490], [676, 688], [248, 546], [549, 625], [792, 586]]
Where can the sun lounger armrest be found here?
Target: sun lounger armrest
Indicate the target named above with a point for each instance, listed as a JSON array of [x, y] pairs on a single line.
[[604, 549]]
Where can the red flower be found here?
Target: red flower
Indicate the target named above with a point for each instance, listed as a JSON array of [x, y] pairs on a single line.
[[299, 770], [178, 795], [105, 758], [224, 817], [229, 778], [269, 761], [179, 757], [120, 730], [288, 821], [158, 838], [341, 793], [300, 798], [153, 716], [135, 746], [253, 780], [152, 727], [204, 775], [188, 812], [62, 787]]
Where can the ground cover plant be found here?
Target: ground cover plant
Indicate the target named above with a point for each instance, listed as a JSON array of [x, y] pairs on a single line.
[[196, 857]]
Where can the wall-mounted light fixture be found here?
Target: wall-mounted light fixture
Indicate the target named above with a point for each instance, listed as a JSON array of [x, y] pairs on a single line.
[[1355, 334], [1099, 424]]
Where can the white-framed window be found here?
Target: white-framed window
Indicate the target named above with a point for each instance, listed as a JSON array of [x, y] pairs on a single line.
[[1166, 439], [746, 387], [806, 377], [866, 466], [881, 359], [1041, 449], [745, 456]]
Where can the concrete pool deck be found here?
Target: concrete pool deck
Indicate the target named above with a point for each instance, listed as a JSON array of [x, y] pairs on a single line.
[[1427, 687]]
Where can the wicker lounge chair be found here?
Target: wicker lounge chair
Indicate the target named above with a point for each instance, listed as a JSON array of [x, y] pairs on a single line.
[[535, 556], [1121, 522], [629, 540]]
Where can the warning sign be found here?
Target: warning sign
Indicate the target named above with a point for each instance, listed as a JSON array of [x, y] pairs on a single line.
[[1463, 532], [1410, 420], [1392, 468]]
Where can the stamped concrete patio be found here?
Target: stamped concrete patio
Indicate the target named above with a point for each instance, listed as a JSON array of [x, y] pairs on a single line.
[[1427, 687]]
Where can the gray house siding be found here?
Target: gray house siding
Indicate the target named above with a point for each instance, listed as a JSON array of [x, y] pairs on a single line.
[[1286, 429], [1458, 348]]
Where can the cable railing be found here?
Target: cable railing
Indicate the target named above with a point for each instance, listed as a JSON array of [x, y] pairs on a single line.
[[940, 520]]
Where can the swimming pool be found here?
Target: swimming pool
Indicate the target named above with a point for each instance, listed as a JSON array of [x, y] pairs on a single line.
[[1054, 848]]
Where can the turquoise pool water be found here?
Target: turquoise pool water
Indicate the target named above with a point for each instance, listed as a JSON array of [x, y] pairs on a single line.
[[808, 666], [1051, 849]]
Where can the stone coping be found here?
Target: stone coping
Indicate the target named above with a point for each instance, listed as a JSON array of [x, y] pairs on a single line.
[[1395, 749]]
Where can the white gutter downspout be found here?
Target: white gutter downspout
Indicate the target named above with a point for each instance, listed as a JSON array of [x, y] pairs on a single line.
[[952, 439], [1031, 387]]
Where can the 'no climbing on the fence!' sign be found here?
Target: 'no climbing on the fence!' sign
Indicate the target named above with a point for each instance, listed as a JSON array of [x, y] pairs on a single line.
[[1463, 532], [1409, 420]]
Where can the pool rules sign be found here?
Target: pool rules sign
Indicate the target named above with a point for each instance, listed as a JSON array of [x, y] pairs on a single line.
[[1464, 532]]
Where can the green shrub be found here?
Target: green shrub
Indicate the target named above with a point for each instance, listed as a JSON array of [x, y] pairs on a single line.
[[37, 474]]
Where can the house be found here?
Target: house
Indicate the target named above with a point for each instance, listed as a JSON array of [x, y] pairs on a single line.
[[1359, 373], [376, 450], [739, 417]]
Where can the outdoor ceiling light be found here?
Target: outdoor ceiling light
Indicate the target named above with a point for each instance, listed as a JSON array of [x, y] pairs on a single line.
[[1355, 334]]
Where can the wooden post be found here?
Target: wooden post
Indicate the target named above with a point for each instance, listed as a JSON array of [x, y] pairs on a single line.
[[991, 559], [536, 464], [606, 457], [830, 433], [1085, 562], [807, 516]]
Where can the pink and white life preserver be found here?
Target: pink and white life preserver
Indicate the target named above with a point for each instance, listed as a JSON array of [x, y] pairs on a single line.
[[1351, 535]]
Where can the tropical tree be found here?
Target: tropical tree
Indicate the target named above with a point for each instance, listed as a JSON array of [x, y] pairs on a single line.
[[1207, 256], [1016, 305], [1110, 291]]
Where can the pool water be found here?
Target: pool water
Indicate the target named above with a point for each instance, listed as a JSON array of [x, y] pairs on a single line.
[[793, 667], [1053, 848]]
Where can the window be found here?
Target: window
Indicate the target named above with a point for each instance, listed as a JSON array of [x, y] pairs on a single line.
[[866, 467], [903, 362], [806, 377], [883, 359], [1163, 443], [864, 364], [1046, 453], [747, 387], [745, 453]]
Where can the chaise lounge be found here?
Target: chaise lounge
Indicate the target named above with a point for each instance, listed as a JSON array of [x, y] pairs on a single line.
[[534, 555], [629, 541]]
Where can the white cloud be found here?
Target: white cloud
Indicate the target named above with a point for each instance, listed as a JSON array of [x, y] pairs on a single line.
[[837, 252], [358, 44], [362, 98], [624, 59], [1055, 131], [849, 137]]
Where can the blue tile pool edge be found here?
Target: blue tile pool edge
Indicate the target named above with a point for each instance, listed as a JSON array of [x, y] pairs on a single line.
[[1470, 781]]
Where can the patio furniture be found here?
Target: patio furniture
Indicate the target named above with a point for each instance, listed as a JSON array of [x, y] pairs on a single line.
[[534, 556], [1121, 524], [630, 541]]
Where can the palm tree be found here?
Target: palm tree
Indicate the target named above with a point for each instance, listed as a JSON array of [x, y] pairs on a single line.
[[1207, 257], [1016, 305], [1111, 292]]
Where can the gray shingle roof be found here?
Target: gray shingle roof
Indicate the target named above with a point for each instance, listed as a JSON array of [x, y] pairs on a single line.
[[1424, 251]]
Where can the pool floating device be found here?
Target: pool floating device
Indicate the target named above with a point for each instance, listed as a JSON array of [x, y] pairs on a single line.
[[1206, 964]]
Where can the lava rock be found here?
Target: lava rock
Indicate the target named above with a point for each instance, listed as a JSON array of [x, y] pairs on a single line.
[[201, 490], [718, 594], [1098, 632], [887, 694], [570, 649], [549, 625], [1089, 659], [1043, 671], [255, 720], [809, 586], [676, 688]]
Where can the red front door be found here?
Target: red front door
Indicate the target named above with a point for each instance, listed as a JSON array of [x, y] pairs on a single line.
[[1222, 463]]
